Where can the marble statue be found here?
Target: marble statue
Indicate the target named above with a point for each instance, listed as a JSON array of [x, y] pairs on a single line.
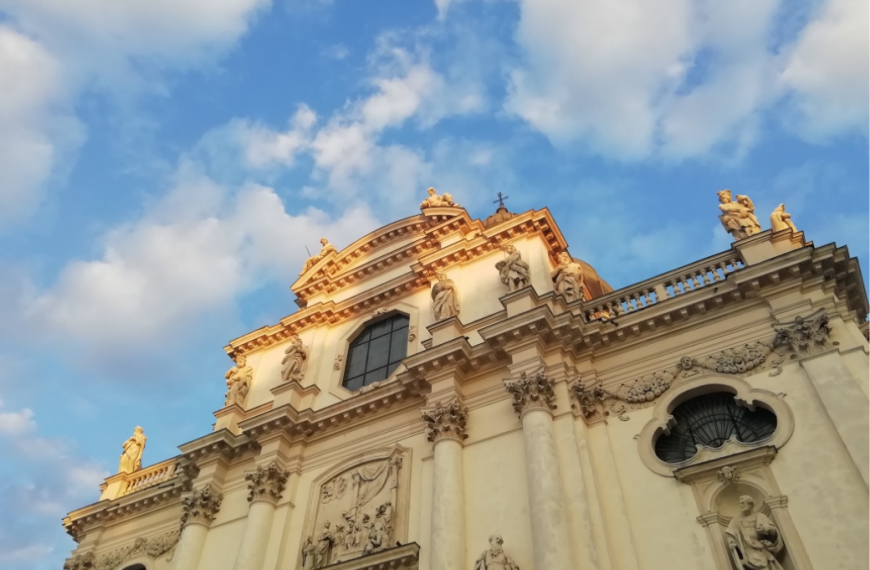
[[568, 278], [324, 546], [781, 220], [445, 303], [436, 201], [325, 249], [512, 270], [753, 539], [295, 360], [308, 554], [495, 558], [238, 381], [738, 217], [131, 458]]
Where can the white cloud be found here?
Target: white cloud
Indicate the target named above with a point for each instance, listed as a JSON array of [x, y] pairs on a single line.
[[264, 147], [16, 423], [828, 71]]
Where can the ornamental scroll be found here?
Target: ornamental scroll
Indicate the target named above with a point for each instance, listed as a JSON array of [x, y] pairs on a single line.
[[356, 512]]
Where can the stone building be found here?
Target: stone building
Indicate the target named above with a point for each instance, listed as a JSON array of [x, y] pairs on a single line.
[[461, 394]]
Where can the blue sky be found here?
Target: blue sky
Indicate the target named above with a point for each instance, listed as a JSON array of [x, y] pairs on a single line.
[[164, 163]]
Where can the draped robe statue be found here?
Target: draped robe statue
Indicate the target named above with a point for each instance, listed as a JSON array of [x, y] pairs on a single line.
[[325, 249], [512, 270], [568, 278], [781, 220], [295, 360], [495, 558], [753, 539], [444, 299], [435, 201], [238, 381], [131, 457], [738, 217]]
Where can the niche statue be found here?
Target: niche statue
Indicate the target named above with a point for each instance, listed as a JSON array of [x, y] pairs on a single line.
[[753, 539], [512, 270]]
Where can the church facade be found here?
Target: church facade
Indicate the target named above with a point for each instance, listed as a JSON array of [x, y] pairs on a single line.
[[462, 394]]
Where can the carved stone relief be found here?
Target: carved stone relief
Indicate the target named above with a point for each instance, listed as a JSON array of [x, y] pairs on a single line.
[[266, 483], [495, 558], [446, 421], [806, 335], [201, 506], [532, 393], [355, 513], [153, 547]]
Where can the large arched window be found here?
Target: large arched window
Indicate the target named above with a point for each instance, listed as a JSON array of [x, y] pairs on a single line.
[[711, 420], [376, 352]]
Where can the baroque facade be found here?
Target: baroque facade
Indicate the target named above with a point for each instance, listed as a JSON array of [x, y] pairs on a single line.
[[462, 394]]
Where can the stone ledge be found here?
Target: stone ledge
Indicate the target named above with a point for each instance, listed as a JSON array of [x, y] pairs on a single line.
[[406, 556]]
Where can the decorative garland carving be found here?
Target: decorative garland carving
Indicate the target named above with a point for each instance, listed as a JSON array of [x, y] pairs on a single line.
[[532, 393], [446, 421], [153, 547], [201, 507], [806, 335], [266, 483], [596, 402], [738, 360]]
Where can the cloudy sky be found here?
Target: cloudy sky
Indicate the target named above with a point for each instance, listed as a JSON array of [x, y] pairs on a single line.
[[164, 164]]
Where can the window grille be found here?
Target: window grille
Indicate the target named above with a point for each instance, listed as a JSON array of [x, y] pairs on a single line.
[[710, 421], [376, 352]]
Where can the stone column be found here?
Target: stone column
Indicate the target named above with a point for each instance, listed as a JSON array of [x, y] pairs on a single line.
[[200, 508], [534, 401], [445, 425], [265, 487]]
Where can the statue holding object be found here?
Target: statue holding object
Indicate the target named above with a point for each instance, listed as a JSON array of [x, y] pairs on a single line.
[[295, 361], [131, 458], [738, 217], [753, 539], [239, 379], [512, 270]]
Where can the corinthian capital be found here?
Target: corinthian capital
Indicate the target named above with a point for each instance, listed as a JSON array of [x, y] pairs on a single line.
[[266, 483], [201, 506], [805, 335], [532, 393], [446, 421]]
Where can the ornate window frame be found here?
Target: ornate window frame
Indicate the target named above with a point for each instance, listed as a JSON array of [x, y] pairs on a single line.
[[343, 345], [687, 389]]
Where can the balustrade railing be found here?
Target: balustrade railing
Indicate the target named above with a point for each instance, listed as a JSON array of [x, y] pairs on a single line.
[[150, 476], [672, 284]]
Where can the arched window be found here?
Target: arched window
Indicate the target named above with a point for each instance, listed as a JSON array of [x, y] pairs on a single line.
[[711, 420], [376, 352], [135, 567]]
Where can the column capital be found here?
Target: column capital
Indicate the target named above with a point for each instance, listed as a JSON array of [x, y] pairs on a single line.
[[446, 421], [533, 392], [266, 483], [806, 335], [201, 506]]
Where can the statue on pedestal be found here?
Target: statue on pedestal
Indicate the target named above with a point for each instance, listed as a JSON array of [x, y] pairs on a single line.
[[753, 539], [738, 217], [512, 270], [436, 201], [295, 360], [238, 381], [326, 249], [495, 558], [444, 299], [781, 220], [568, 278], [131, 458]]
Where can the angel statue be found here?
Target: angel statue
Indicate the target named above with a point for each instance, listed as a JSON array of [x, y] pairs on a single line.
[[781, 220], [512, 270], [738, 217], [444, 299], [753, 539], [295, 360], [495, 558], [131, 458]]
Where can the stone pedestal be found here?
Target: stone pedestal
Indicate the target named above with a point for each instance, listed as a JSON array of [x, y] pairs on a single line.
[[446, 429]]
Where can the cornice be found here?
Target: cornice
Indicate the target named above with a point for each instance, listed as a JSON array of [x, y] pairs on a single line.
[[219, 443]]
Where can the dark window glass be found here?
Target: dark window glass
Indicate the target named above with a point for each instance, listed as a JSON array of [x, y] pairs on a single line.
[[710, 421], [376, 352]]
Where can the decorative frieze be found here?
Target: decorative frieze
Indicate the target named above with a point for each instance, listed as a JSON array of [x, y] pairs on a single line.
[[806, 335], [446, 421], [153, 547], [532, 393], [201, 506], [266, 483]]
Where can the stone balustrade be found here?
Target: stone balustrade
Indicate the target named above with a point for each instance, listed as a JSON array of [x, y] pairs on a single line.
[[150, 476]]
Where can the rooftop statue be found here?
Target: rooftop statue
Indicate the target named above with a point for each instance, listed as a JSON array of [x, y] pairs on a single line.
[[238, 381], [512, 270], [781, 220], [753, 539], [445, 303], [568, 278], [326, 249], [436, 201], [295, 360], [738, 217], [131, 458]]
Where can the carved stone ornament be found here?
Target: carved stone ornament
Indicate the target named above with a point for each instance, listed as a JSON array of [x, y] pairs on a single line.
[[446, 421], [495, 558], [379, 311], [266, 483], [738, 360], [355, 514], [295, 361], [806, 335], [336, 364], [727, 475], [201, 506], [412, 333], [153, 547], [532, 393]]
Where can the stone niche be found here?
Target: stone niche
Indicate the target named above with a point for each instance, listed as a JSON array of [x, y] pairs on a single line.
[[357, 508]]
